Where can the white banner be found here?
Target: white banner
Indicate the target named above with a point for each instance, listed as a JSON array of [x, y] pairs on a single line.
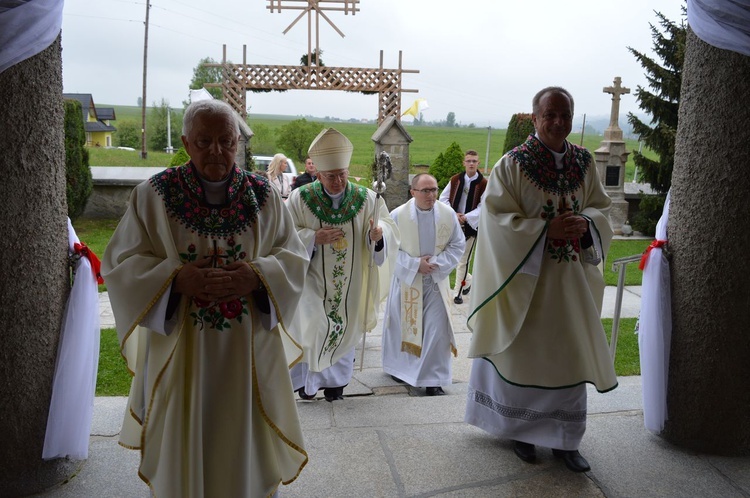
[[26, 28]]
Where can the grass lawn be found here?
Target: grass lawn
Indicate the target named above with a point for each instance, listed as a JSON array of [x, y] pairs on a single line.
[[114, 380]]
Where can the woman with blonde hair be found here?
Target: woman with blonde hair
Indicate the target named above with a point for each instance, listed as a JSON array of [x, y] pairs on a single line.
[[276, 175]]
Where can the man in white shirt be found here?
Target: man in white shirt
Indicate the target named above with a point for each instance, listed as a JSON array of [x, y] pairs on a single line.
[[464, 194]]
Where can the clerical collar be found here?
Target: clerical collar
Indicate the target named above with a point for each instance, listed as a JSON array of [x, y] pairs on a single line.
[[216, 192], [557, 155], [335, 198], [423, 211]]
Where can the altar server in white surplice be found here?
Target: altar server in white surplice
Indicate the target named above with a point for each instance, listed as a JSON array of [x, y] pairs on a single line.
[[204, 272], [418, 337]]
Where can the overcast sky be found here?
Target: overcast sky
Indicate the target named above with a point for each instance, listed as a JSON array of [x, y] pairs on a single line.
[[481, 59]]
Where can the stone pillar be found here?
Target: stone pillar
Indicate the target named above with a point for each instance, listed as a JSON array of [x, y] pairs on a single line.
[[611, 158], [392, 138], [708, 398], [34, 267]]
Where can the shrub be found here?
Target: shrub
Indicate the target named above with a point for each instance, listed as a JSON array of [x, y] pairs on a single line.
[[78, 182], [179, 158], [519, 128], [447, 164], [295, 137], [649, 211]]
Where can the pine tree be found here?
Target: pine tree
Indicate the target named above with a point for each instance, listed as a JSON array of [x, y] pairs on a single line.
[[447, 164], [662, 104]]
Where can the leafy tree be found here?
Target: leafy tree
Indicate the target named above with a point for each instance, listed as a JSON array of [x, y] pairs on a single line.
[[450, 120], [128, 134], [662, 104], [263, 141], [203, 74], [78, 181], [157, 126], [447, 164], [295, 137], [519, 128], [316, 56]]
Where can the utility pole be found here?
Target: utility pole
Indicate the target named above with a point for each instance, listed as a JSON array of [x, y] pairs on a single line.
[[144, 153], [487, 155]]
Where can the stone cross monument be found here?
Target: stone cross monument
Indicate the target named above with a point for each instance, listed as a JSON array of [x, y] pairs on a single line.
[[611, 158]]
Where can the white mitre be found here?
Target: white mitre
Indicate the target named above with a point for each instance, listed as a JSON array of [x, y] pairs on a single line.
[[330, 150]]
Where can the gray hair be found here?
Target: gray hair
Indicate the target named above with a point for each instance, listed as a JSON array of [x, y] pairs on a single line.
[[212, 106], [553, 90]]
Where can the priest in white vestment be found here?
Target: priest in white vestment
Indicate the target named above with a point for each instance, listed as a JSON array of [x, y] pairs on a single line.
[[204, 272], [535, 312], [335, 220], [418, 341]]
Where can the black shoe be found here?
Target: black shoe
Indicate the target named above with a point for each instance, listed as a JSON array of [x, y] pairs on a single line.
[[458, 300], [397, 379], [304, 395], [333, 393], [466, 290], [435, 391], [573, 460], [525, 451]]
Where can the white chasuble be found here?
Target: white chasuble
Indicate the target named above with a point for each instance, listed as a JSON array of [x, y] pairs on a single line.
[[535, 311], [211, 407], [336, 307]]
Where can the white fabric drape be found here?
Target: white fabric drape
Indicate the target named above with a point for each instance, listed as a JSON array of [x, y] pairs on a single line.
[[722, 23], [655, 330], [74, 384], [26, 28]]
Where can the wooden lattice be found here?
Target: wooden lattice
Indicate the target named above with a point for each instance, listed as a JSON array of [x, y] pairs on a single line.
[[387, 83]]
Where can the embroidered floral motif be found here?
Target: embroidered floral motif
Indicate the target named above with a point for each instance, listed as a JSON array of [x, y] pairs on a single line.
[[320, 204], [562, 249], [339, 282], [538, 166], [185, 200], [214, 315]]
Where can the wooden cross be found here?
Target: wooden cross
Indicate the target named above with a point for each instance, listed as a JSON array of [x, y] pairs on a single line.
[[616, 90], [307, 7]]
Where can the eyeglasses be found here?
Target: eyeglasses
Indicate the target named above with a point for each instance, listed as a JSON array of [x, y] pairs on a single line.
[[472, 161], [334, 176], [426, 191]]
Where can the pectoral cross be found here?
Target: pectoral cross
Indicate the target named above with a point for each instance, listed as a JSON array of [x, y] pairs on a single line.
[[216, 257]]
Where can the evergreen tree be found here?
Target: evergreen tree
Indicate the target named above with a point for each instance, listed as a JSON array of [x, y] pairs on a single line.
[[662, 104], [447, 164], [519, 129], [77, 172]]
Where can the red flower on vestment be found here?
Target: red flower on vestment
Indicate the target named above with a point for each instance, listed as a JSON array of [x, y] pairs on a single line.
[[231, 309], [201, 303]]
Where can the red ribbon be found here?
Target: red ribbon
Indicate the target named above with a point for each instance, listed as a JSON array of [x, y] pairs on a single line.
[[654, 245], [96, 265]]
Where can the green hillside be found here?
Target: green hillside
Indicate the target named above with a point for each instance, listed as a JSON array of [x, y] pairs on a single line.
[[428, 141]]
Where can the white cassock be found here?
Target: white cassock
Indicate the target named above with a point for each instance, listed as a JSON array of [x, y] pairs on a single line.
[[536, 305], [421, 355], [211, 407], [334, 310]]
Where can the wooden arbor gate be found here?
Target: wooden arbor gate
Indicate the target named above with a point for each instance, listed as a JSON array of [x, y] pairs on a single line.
[[238, 78]]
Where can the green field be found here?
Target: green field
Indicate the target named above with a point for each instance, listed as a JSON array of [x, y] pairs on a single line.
[[428, 142]]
